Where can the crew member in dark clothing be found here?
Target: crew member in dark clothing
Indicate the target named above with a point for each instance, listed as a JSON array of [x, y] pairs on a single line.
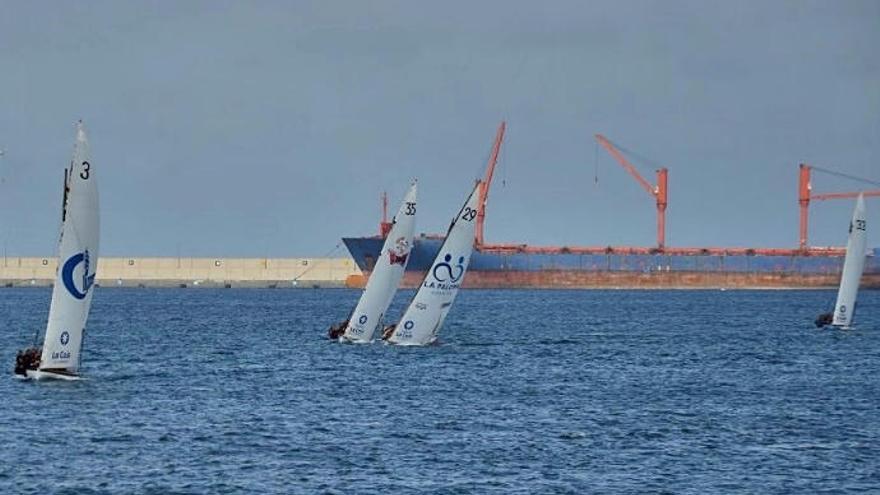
[[388, 332], [20, 367], [337, 331], [28, 359], [824, 319]]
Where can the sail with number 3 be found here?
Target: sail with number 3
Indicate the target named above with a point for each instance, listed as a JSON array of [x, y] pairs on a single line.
[[77, 265], [423, 318], [853, 265], [386, 275]]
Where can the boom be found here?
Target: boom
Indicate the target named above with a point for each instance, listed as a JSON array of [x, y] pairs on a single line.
[[659, 191]]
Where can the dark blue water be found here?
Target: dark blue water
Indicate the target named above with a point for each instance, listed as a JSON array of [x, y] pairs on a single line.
[[221, 391]]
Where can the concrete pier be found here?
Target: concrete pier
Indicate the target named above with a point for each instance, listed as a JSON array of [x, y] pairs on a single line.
[[191, 272]]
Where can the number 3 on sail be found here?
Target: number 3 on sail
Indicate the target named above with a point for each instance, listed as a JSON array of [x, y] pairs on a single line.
[[59, 357]]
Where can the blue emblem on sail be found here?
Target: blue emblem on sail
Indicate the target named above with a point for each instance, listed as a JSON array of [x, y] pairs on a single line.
[[65, 337], [445, 272], [67, 275]]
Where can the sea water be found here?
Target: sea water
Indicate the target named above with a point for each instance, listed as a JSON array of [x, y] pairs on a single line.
[[224, 391]]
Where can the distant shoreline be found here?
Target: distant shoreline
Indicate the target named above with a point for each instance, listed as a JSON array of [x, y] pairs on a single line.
[[191, 272]]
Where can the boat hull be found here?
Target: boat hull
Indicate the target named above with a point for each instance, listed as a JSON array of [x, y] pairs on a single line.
[[39, 375], [560, 270]]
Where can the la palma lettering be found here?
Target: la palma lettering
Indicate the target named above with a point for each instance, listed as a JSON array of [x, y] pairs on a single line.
[[440, 285]]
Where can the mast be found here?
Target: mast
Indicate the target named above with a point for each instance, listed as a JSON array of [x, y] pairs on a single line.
[[64, 198]]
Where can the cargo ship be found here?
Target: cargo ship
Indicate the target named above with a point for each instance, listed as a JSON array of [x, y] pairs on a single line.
[[658, 267]]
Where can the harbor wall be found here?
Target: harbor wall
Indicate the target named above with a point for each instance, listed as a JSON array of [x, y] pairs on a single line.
[[190, 272]]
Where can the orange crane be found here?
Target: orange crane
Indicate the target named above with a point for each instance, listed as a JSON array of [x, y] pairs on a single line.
[[487, 181], [659, 191], [805, 195]]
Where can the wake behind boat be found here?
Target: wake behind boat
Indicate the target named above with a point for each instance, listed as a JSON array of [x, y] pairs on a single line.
[[382, 285], [853, 266], [423, 318], [61, 352]]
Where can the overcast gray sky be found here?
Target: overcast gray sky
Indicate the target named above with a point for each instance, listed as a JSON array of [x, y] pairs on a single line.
[[270, 128]]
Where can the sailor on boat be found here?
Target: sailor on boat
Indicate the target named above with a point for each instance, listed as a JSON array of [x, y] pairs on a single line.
[[824, 320], [27, 359], [337, 330], [59, 355], [388, 332]]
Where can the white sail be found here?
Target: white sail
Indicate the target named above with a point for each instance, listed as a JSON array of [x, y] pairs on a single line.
[[77, 264], [386, 275], [853, 265], [423, 318]]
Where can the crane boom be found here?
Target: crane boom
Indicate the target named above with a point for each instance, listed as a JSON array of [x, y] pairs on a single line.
[[845, 195], [611, 149], [487, 181], [659, 192]]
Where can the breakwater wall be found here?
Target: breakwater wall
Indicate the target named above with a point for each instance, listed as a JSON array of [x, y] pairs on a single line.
[[190, 272]]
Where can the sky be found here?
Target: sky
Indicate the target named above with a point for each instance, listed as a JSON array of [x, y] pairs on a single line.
[[271, 128]]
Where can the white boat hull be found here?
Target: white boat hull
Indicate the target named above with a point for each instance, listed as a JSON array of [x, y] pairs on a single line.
[[407, 343], [38, 375]]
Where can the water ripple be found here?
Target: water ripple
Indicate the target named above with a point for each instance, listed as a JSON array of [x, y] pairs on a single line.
[[231, 391]]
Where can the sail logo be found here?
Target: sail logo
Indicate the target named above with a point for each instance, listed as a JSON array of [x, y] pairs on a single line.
[[406, 332], [67, 275], [444, 272], [446, 275], [362, 319], [62, 355], [399, 251]]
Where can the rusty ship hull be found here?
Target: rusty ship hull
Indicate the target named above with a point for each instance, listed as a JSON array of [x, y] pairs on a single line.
[[516, 266]]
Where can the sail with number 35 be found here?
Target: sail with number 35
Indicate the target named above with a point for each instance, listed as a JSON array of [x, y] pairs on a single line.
[[385, 277]]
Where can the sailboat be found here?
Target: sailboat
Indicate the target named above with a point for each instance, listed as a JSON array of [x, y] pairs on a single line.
[[385, 278], [853, 265], [423, 318], [61, 351]]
